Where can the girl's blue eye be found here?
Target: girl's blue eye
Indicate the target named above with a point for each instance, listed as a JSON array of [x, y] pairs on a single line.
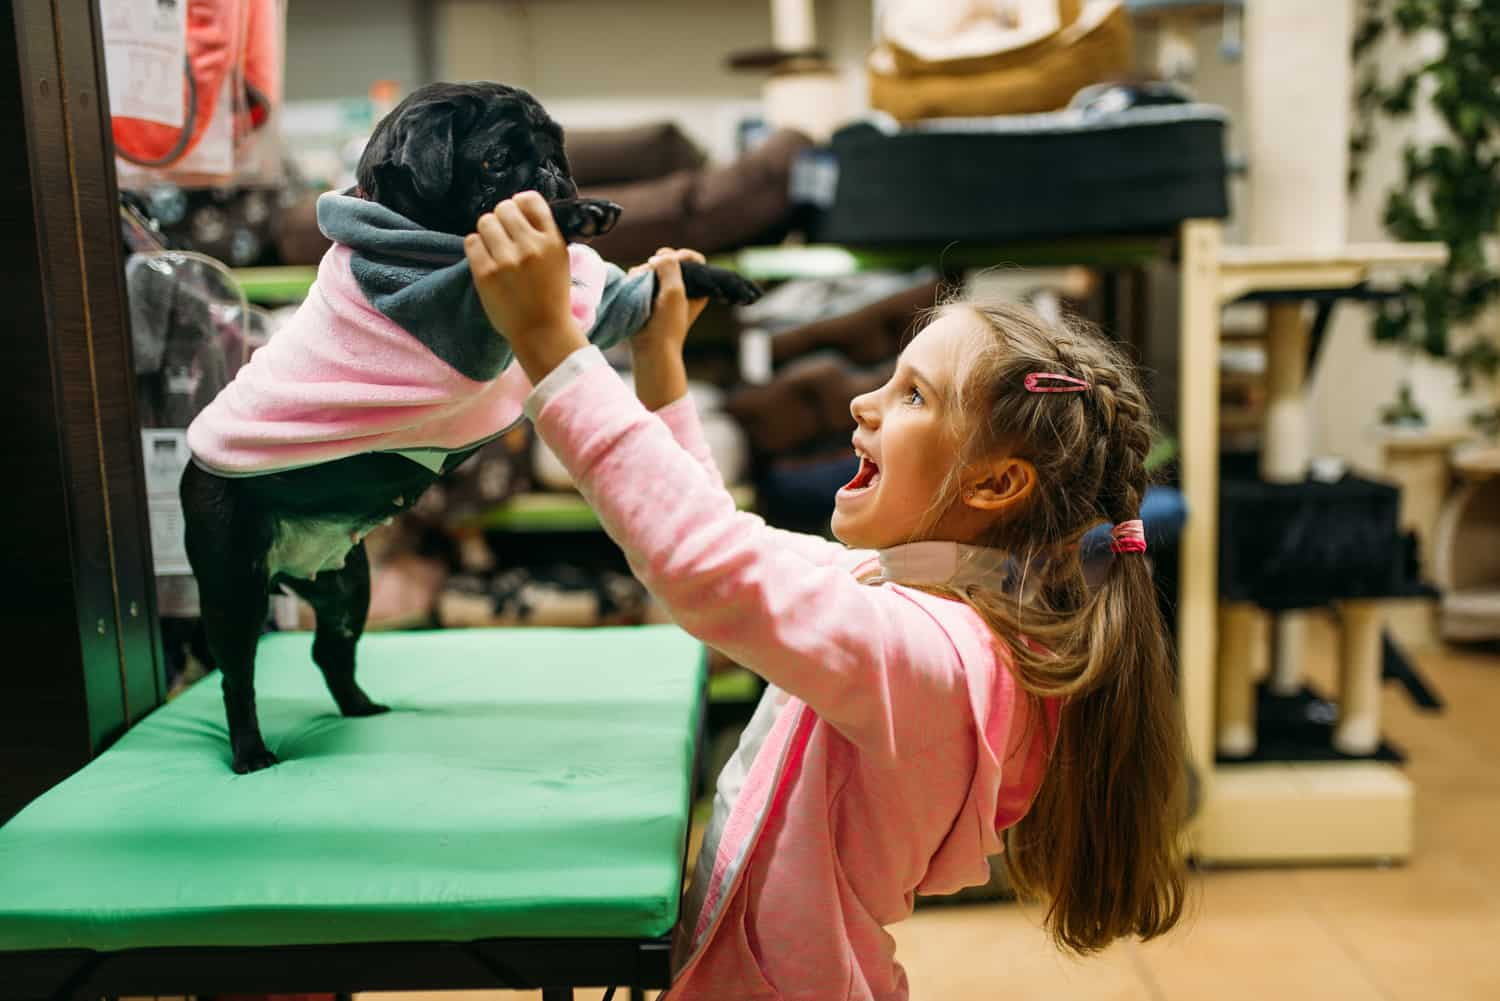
[[914, 396]]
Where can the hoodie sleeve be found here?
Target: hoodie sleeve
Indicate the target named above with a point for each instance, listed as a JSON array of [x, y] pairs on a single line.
[[869, 660]]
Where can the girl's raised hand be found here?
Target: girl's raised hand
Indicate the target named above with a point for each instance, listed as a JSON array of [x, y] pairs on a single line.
[[656, 349], [520, 266], [673, 312]]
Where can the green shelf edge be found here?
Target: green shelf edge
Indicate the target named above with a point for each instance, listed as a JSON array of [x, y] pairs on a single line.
[[737, 685], [282, 285], [275, 286], [563, 513], [831, 260]]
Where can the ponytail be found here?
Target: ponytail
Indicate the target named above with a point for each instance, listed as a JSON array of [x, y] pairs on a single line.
[[1100, 843]]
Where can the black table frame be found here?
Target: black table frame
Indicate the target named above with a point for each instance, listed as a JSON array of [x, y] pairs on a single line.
[[556, 966]]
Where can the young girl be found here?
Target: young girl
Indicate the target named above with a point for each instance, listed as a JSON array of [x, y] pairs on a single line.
[[948, 678]]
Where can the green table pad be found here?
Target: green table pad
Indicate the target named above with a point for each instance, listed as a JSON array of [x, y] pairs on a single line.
[[527, 784]]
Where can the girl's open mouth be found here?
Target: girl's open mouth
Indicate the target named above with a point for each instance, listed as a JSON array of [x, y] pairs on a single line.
[[867, 477]]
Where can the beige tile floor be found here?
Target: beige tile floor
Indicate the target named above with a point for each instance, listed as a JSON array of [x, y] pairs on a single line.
[[1428, 930]]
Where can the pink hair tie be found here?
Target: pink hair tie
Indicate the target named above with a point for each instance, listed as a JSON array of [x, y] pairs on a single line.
[[1062, 383], [1129, 537]]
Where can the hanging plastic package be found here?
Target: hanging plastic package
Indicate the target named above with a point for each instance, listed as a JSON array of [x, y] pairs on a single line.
[[191, 329], [194, 86]]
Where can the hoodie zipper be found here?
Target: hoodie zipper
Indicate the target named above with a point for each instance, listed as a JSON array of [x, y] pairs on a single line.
[[760, 825]]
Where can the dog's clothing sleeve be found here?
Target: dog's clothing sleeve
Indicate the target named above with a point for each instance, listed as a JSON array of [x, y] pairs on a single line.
[[391, 352]]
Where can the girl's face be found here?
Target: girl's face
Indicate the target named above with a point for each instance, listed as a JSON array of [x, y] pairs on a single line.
[[907, 441]]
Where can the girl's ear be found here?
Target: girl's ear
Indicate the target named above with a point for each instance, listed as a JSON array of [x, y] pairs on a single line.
[[999, 485]]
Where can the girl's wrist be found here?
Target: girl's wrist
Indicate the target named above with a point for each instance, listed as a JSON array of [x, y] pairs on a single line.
[[540, 351], [654, 349], [660, 377]]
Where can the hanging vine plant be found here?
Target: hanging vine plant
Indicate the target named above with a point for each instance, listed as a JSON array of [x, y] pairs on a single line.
[[1449, 191]]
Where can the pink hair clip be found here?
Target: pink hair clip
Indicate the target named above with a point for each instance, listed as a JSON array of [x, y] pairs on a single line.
[[1128, 537], [1062, 383]]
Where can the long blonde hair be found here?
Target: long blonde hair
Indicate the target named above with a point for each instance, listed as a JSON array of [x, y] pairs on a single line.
[[1100, 842]]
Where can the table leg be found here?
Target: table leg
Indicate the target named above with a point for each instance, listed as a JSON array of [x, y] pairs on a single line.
[[557, 994], [1360, 627]]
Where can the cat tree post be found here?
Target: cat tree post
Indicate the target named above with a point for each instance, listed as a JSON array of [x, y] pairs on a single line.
[[804, 92], [1297, 121], [1360, 627]]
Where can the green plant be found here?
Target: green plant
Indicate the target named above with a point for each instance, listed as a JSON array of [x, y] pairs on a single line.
[[1449, 191]]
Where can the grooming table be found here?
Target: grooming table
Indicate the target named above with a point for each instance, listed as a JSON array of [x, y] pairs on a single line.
[[519, 820]]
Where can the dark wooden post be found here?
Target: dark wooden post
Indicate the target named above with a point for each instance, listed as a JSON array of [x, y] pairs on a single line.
[[80, 653]]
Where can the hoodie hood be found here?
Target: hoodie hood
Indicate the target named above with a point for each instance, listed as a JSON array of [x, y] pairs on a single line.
[[1014, 743]]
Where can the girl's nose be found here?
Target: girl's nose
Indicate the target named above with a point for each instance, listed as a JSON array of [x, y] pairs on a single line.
[[864, 411]]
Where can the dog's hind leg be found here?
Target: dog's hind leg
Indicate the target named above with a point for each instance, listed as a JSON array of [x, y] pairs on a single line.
[[227, 550], [341, 600]]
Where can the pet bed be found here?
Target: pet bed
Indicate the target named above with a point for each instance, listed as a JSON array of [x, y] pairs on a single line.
[[1065, 173], [1287, 546], [518, 820]]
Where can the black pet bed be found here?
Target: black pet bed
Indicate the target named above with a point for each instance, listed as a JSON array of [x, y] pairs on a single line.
[[1064, 173]]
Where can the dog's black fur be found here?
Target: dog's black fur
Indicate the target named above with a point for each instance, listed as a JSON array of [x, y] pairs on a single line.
[[445, 155]]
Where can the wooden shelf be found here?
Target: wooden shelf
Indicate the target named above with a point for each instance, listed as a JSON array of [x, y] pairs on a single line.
[[1274, 812], [1246, 269], [1305, 812]]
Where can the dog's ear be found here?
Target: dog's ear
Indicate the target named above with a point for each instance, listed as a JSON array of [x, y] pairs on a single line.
[[424, 150]]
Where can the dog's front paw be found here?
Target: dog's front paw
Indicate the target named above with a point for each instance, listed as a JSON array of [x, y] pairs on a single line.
[[582, 218], [719, 284], [253, 759]]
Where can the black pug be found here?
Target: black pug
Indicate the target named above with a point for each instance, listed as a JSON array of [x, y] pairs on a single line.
[[446, 155]]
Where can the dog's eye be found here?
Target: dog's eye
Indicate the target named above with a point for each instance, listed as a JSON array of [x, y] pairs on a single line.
[[496, 162]]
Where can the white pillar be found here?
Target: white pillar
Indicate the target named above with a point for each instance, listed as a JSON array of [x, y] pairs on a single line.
[[1297, 87], [812, 98], [792, 27], [1297, 80]]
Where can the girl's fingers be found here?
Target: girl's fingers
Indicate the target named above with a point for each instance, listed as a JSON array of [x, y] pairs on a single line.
[[668, 278], [517, 226], [536, 210], [680, 254], [480, 261], [496, 240]]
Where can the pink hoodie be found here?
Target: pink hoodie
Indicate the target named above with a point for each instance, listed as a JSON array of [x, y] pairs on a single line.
[[904, 751]]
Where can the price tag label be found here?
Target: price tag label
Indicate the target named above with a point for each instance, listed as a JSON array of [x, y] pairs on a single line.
[[145, 46]]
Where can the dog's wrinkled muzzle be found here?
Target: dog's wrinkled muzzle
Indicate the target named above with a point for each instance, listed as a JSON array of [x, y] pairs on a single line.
[[554, 184]]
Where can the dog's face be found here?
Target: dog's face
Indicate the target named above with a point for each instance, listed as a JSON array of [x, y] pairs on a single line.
[[451, 151]]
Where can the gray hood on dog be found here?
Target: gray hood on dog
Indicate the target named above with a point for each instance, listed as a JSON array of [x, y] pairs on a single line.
[[420, 279]]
